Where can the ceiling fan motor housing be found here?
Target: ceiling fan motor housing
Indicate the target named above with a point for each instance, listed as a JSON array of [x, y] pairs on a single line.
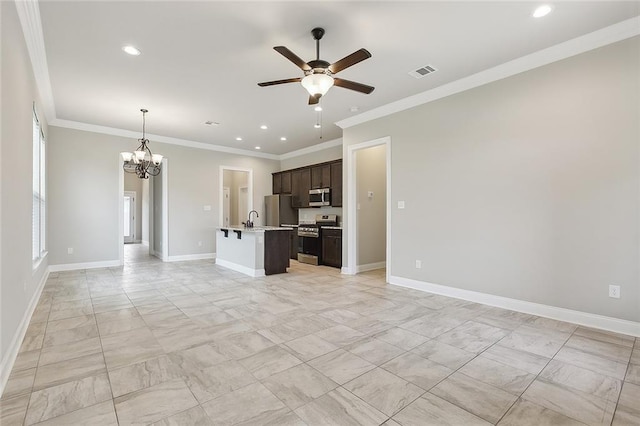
[[318, 66], [317, 33]]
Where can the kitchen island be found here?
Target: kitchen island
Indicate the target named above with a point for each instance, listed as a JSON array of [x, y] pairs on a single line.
[[257, 251]]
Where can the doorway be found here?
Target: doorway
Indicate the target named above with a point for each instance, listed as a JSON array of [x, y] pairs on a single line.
[[129, 216], [239, 182], [150, 226], [369, 187]]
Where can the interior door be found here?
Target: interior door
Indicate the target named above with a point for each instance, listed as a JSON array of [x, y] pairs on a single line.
[[129, 217]]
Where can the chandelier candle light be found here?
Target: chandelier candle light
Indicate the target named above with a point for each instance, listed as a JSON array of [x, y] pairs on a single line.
[[142, 162]]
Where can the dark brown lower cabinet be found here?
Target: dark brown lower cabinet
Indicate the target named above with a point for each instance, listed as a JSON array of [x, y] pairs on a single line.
[[276, 251], [293, 246], [332, 247]]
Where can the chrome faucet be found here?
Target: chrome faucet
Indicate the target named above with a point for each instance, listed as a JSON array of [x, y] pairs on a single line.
[[249, 223]]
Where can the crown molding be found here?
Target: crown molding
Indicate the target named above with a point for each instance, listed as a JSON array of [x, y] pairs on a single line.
[[608, 35], [311, 149], [76, 125], [29, 15]]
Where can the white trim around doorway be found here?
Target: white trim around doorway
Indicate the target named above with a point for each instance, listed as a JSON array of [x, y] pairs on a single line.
[[221, 191], [352, 267], [165, 213]]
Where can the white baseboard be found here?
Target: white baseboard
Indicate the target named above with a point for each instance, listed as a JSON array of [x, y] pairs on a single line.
[[371, 266], [345, 270], [12, 352], [561, 314], [86, 265], [239, 268], [184, 257], [144, 243]]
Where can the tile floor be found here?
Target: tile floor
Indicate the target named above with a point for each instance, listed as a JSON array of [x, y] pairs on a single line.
[[192, 343]]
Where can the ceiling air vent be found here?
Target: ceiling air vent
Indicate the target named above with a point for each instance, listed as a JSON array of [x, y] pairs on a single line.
[[423, 71]]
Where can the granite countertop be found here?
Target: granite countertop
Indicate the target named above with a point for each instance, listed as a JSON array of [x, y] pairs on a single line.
[[288, 226], [332, 227], [254, 229]]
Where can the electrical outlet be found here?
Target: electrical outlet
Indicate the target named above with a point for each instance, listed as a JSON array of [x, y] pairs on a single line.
[[70, 250], [401, 204], [614, 291], [199, 243], [418, 264]]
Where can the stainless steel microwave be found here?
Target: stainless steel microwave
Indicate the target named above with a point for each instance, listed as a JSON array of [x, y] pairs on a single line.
[[320, 197]]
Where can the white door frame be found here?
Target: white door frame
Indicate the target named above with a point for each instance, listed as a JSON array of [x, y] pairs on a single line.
[[132, 214], [221, 190], [352, 215], [165, 210]]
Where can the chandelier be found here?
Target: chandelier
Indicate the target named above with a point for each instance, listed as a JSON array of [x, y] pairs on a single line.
[[142, 162]]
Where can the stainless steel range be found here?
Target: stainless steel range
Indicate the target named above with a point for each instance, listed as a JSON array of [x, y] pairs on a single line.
[[309, 241]]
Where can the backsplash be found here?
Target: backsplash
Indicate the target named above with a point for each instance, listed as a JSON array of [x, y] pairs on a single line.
[[309, 215]]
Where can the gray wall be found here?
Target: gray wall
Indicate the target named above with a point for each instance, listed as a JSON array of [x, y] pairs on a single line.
[[371, 169], [527, 188], [18, 279], [193, 182], [134, 183], [328, 154]]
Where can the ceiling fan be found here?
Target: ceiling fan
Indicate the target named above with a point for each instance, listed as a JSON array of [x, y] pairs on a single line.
[[318, 77]]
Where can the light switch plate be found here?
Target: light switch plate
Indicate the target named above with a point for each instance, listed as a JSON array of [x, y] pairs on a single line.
[[401, 204], [207, 208]]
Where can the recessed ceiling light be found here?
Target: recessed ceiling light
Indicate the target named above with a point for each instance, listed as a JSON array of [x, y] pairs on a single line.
[[257, 147], [238, 138], [318, 108], [542, 11], [283, 138], [131, 50], [264, 127], [317, 125]]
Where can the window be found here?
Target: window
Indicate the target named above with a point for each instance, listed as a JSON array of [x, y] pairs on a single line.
[[39, 203]]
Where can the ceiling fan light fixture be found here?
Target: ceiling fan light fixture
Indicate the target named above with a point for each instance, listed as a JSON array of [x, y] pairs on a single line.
[[317, 84]]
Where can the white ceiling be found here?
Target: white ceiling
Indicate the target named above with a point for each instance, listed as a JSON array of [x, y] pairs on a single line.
[[202, 60]]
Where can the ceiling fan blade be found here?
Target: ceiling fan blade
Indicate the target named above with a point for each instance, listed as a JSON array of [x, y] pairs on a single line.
[[314, 99], [347, 61], [292, 57], [272, 83], [352, 85]]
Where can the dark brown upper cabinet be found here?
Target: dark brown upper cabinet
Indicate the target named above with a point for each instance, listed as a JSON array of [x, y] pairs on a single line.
[[277, 183], [298, 182], [321, 176], [300, 186], [286, 182]]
